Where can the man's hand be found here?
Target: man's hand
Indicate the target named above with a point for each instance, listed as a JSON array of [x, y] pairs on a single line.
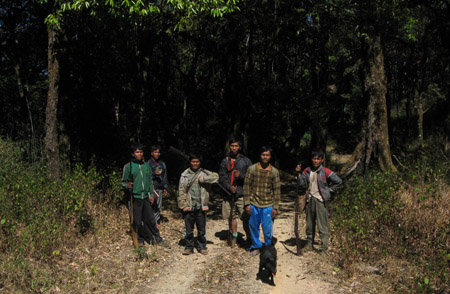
[[248, 209], [233, 189], [274, 213], [152, 199], [187, 208], [298, 168], [130, 185], [237, 173], [165, 193]]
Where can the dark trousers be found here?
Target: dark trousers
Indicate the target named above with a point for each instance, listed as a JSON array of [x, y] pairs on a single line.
[[144, 221], [157, 205], [316, 212], [195, 217]]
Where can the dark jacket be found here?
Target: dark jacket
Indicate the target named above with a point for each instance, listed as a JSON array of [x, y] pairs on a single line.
[[325, 176], [160, 182], [241, 164]]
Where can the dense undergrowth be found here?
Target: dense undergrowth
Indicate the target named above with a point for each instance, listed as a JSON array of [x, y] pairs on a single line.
[[39, 217], [384, 217], [398, 222]]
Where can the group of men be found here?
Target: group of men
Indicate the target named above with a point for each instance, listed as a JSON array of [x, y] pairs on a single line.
[[252, 194], [146, 183]]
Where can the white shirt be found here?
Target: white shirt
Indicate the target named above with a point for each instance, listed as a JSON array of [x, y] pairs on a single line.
[[314, 187]]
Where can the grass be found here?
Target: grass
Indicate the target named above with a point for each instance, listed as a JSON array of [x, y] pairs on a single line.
[[383, 218], [54, 234]]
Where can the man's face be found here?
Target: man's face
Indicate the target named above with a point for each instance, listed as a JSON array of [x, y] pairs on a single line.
[[138, 154], [234, 148], [156, 154], [195, 164], [316, 161], [265, 157]]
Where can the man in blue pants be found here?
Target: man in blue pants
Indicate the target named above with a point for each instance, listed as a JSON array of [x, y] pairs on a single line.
[[262, 198]]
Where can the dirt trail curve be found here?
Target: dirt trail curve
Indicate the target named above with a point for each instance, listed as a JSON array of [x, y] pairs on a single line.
[[233, 270]]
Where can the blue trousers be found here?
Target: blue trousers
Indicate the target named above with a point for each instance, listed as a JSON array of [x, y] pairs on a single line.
[[263, 217]]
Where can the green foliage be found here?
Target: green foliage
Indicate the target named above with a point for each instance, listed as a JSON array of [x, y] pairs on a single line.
[[113, 188], [37, 215], [365, 208], [27, 275], [402, 215], [144, 253], [136, 8], [409, 29]]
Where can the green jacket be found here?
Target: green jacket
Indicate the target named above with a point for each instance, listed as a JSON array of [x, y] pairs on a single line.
[[141, 176]]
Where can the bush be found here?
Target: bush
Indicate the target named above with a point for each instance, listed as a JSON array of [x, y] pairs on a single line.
[[404, 215], [365, 208], [37, 214]]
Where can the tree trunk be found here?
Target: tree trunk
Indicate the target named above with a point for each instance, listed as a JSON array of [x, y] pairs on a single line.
[[51, 111], [374, 135], [420, 113]]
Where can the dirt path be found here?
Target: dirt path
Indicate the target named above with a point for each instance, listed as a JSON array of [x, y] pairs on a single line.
[[107, 263], [308, 273], [233, 270], [199, 273]]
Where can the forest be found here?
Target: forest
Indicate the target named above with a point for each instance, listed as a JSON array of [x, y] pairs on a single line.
[[367, 81]]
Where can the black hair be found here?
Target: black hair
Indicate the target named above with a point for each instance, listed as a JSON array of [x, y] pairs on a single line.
[[235, 140], [317, 152], [155, 147], [264, 149], [136, 146], [195, 156]]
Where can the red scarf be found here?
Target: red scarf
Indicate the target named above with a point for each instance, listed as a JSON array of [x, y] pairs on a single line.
[[231, 163]]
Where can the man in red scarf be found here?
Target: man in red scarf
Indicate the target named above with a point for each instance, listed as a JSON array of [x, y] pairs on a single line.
[[231, 176]]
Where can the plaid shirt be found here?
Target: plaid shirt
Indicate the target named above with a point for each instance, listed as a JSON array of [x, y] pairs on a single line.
[[262, 187]]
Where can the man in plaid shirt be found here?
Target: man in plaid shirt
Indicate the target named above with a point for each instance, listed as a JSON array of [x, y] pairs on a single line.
[[262, 198]]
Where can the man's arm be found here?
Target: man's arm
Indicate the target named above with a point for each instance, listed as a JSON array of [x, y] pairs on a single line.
[[165, 181], [151, 194], [303, 179], [276, 193], [208, 177], [126, 179], [181, 199], [223, 175], [335, 180], [248, 187], [243, 170]]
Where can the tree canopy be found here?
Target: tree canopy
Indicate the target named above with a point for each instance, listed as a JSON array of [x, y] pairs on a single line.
[[192, 74]]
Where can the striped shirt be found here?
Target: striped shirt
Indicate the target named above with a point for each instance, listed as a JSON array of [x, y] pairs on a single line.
[[262, 186]]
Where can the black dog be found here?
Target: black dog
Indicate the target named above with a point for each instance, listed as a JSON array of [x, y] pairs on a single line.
[[267, 264]]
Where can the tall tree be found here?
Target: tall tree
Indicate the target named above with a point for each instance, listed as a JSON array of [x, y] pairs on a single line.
[[373, 19], [51, 111]]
